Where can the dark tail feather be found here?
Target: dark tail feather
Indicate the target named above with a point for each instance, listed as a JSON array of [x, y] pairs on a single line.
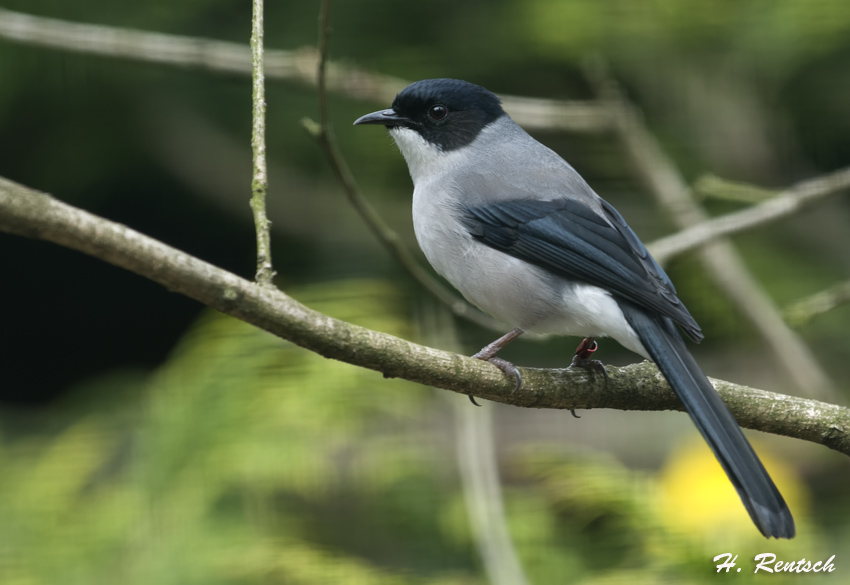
[[713, 419]]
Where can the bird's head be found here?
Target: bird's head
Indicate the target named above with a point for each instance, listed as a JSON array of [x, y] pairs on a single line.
[[447, 114]]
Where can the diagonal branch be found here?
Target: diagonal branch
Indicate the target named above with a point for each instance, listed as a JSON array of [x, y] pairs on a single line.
[[786, 203], [802, 311], [324, 135], [721, 260], [711, 186], [32, 214]]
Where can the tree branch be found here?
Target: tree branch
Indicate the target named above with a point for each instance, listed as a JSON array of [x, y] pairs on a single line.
[[298, 66], [260, 180], [804, 310], [711, 186], [32, 214], [782, 205]]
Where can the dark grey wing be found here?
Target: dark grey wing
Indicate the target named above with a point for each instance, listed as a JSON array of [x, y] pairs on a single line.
[[571, 239]]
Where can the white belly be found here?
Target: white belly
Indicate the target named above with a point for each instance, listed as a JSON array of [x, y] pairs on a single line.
[[519, 293]]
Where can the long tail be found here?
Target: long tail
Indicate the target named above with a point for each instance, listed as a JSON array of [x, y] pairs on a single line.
[[762, 500]]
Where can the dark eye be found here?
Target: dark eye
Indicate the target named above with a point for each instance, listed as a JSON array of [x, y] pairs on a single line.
[[438, 112]]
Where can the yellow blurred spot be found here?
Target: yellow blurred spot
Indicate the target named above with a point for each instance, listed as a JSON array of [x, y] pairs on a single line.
[[697, 497]]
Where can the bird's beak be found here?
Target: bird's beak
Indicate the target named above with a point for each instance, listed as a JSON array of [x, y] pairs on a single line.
[[381, 118]]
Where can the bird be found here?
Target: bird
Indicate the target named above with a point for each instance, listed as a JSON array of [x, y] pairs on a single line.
[[522, 236]]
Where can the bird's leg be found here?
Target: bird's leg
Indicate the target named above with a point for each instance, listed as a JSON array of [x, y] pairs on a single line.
[[586, 348], [582, 359], [488, 354]]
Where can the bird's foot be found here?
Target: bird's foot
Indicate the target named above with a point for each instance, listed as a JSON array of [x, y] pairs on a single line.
[[582, 358], [488, 353], [507, 367]]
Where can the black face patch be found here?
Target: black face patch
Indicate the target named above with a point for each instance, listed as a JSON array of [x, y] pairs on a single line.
[[447, 112]]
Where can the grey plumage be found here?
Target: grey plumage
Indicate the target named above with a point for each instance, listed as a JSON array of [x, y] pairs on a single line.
[[522, 236]]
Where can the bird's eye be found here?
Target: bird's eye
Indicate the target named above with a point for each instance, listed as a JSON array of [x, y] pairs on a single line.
[[438, 112]]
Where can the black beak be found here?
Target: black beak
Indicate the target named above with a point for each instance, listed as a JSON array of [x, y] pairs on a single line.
[[382, 118]]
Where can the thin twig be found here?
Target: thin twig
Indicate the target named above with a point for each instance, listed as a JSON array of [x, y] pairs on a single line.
[[260, 179], [723, 263], [323, 133], [29, 213], [804, 310], [782, 205], [297, 66], [711, 186]]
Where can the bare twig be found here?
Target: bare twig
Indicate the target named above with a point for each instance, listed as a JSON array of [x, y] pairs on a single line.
[[323, 133], [723, 263], [298, 66], [260, 179], [28, 213], [711, 186], [784, 204], [804, 310]]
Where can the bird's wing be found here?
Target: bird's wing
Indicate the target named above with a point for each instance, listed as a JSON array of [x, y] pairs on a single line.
[[574, 240]]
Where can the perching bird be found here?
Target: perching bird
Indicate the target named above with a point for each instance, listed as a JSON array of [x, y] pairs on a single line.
[[522, 236]]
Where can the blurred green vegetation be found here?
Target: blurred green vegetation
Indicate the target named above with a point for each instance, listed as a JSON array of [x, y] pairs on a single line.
[[143, 440], [244, 459]]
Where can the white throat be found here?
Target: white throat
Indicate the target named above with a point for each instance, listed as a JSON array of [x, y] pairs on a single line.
[[423, 158]]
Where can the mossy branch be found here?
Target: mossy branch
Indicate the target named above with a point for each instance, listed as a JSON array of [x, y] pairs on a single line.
[[29, 213]]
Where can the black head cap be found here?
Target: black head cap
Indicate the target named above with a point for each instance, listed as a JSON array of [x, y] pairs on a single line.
[[447, 112]]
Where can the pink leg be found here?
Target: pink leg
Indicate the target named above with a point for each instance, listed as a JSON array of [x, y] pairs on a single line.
[[488, 354]]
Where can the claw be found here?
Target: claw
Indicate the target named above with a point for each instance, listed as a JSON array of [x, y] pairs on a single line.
[[582, 359], [488, 353], [472, 399], [509, 369], [595, 366]]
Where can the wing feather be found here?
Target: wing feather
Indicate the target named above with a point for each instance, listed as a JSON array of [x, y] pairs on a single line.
[[570, 238]]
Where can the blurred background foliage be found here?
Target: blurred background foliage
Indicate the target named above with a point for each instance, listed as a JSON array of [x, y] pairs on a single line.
[[145, 440]]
